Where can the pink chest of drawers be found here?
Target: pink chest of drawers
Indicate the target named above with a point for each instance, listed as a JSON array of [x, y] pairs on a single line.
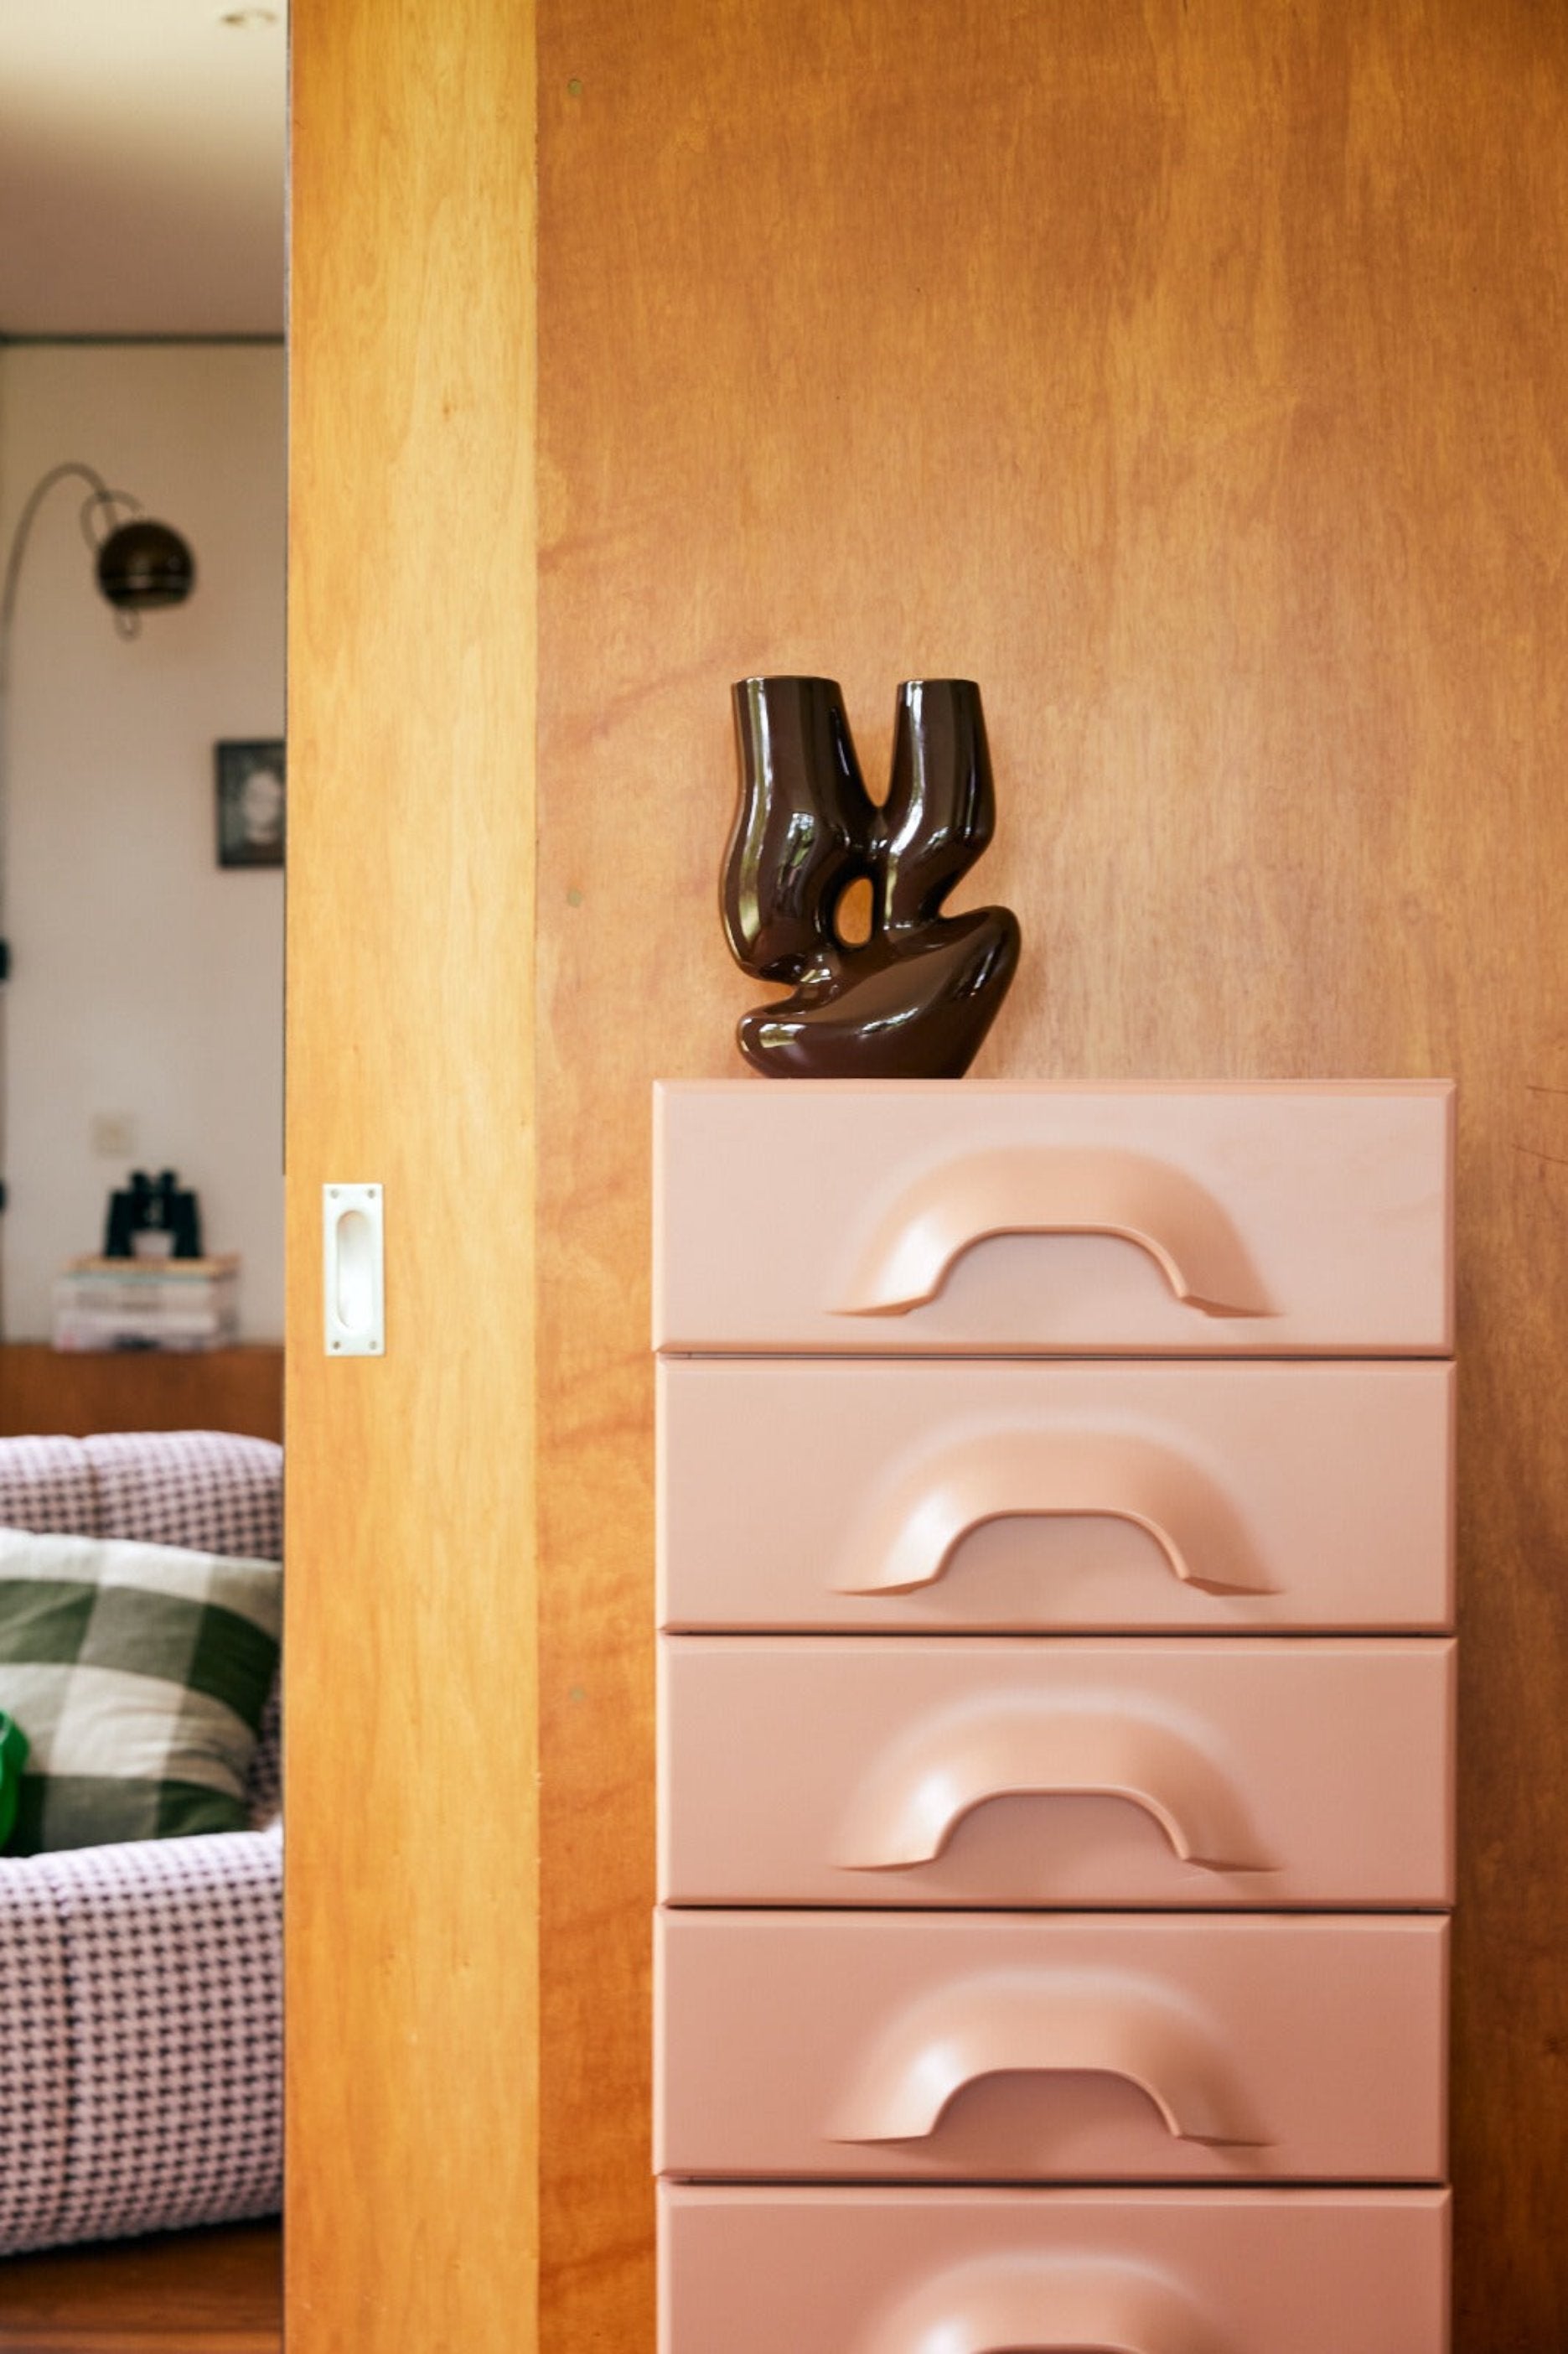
[[1055, 1718]]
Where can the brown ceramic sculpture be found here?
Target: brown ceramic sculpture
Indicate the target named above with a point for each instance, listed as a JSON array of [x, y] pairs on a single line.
[[913, 1000]]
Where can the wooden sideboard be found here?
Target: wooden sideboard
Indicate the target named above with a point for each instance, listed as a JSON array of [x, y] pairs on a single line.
[[42, 1389]]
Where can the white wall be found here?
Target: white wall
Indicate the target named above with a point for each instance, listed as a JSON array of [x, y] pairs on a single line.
[[148, 981]]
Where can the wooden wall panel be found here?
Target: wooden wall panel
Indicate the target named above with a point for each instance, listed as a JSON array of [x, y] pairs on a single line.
[[411, 1742], [1193, 374]]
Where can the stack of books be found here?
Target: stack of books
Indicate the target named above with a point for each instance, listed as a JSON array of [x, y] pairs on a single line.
[[148, 1303]]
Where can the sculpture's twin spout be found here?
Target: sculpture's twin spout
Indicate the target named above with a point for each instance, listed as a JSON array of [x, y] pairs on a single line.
[[916, 998]]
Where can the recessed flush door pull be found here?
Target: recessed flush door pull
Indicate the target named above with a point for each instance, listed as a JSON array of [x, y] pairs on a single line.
[[352, 1271]]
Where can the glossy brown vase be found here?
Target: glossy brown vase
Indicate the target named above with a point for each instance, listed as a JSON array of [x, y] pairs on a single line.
[[915, 1000]]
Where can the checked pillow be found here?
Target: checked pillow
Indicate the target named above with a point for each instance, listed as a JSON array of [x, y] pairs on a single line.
[[139, 1674]]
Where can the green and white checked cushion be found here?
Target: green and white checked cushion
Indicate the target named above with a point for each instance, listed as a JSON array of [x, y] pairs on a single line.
[[139, 1673]]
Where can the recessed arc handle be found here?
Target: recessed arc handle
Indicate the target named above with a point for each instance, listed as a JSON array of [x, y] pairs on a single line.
[[909, 1807], [913, 1525], [353, 1273], [1027, 1190], [1045, 2023], [1024, 2306]]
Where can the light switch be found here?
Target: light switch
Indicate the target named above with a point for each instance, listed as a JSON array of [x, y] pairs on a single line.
[[114, 1135]]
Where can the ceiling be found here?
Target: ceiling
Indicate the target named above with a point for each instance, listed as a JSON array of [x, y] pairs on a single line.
[[141, 168]]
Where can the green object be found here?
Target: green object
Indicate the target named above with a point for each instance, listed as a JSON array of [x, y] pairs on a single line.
[[146, 1670], [13, 1757]]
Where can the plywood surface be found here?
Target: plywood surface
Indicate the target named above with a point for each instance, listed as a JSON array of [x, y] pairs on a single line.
[[1195, 378], [409, 1651], [42, 1389]]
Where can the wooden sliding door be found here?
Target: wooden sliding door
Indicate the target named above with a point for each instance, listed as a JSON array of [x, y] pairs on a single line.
[[412, 1897]]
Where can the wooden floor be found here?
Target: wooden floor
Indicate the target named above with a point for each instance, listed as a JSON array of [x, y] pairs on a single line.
[[218, 2292]]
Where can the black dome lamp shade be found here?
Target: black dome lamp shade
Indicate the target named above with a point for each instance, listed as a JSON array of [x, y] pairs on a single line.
[[141, 565]]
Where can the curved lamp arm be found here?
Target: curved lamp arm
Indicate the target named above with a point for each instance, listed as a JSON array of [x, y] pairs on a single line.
[[139, 564], [100, 495]]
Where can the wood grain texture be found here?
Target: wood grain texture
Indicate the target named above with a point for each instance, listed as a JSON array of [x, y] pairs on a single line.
[[411, 1873], [1193, 374], [213, 2292], [42, 1389]]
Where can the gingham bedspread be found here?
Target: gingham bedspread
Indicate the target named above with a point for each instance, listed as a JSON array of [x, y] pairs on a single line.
[[141, 1986], [140, 2062]]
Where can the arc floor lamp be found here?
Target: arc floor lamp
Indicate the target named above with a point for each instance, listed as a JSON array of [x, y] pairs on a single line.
[[140, 565]]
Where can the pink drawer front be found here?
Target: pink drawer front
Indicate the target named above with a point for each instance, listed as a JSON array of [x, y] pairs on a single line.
[[972, 1771], [1053, 2272], [935, 1219], [910, 1497], [1010, 2047]]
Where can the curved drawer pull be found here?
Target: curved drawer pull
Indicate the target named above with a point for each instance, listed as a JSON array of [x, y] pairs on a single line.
[[1020, 2306], [1103, 1747], [1025, 1190], [911, 1529], [1045, 2023]]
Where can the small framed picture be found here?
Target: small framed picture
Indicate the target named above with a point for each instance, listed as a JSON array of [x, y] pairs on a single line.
[[252, 804]]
